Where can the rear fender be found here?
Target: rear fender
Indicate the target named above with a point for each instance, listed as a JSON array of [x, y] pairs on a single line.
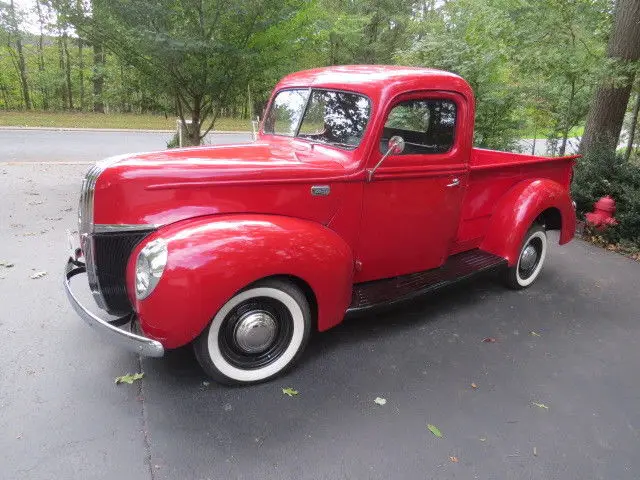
[[212, 258], [519, 208]]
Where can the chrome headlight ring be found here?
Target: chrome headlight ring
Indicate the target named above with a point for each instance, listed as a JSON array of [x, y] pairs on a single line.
[[149, 267]]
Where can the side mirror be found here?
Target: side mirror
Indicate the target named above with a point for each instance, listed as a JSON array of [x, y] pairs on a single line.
[[396, 146]]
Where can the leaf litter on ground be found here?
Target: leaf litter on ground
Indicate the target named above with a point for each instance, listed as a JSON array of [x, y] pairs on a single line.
[[435, 430], [289, 391], [540, 405], [37, 275], [489, 340], [6, 264], [129, 378]]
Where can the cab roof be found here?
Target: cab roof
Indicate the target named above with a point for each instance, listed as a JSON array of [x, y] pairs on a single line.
[[377, 81]]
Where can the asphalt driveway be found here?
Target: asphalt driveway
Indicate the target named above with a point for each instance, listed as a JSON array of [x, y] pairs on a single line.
[[558, 392]]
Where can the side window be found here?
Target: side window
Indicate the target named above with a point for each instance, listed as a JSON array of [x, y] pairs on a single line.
[[427, 126]]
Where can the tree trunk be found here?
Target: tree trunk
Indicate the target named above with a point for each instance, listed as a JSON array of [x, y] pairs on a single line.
[[609, 103], [63, 88], [81, 71], [98, 77], [43, 89], [22, 67], [568, 119], [194, 131], [67, 68], [632, 129]]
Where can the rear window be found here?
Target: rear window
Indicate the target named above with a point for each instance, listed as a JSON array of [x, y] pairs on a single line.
[[427, 126]]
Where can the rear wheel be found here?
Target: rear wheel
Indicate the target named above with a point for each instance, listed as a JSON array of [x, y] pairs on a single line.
[[257, 334], [530, 259]]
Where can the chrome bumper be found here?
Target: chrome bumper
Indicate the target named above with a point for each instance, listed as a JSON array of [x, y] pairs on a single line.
[[135, 343]]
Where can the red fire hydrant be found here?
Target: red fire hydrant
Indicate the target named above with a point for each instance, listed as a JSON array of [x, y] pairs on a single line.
[[602, 216]]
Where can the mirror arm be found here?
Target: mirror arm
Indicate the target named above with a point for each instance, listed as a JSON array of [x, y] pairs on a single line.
[[396, 145], [373, 170]]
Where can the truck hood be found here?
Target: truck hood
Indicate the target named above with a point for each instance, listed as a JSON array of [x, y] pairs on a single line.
[[158, 188]]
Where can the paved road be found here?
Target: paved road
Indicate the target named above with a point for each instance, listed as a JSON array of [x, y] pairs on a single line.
[[61, 416], [22, 145]]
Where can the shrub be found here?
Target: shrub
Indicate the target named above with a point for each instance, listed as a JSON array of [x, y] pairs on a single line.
[[598, 174]]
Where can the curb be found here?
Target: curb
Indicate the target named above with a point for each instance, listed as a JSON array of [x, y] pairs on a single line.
[[120, 130]]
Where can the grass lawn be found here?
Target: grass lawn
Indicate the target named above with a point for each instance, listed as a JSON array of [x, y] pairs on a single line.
[[111, 120]]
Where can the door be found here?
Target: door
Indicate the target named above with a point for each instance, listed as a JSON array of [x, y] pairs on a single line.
[[411, 206]]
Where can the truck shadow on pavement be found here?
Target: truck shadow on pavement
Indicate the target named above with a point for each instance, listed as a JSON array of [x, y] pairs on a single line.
[[379, 325]]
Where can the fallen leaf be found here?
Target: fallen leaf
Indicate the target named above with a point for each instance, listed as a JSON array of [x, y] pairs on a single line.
[[435, 430], [129, 378], [535, 334], [489, 340], [37, 275], [36, 203], [380, 401], [474, 386], [540, 405], [54, 219], [6, 264], [289, 391], [483, 439], [453, 459]]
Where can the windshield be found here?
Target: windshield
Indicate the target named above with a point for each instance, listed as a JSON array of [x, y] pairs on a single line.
[[323, 116]]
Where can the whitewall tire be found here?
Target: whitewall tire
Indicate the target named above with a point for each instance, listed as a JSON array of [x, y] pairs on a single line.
[[531, 257], [257, 334]]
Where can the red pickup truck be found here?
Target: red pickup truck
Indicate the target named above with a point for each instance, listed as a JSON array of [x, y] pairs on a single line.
[[362, 189]]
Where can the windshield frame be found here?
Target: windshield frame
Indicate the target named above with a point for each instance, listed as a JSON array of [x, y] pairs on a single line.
[[311, 89]]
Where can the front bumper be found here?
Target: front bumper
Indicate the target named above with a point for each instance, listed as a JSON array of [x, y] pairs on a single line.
[[114, 329]]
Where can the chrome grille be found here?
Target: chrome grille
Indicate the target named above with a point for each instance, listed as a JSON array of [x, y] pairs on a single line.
[[86, 225]]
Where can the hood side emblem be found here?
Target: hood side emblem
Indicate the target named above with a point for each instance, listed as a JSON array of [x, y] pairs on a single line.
[[320, 190]]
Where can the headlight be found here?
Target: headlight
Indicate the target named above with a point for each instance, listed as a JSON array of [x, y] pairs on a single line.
[[149, 267]]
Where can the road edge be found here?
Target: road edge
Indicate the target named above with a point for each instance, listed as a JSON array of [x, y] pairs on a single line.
[[121, 130]]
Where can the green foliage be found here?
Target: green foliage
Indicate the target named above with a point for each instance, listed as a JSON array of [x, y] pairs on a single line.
[[533, 65], [472, 39], [602, 173]]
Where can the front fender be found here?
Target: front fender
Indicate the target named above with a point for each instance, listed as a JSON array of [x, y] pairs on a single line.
[[517, 210], [211, 258]]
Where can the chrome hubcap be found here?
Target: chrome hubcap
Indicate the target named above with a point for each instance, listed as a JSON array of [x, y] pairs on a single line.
[[528, 258], [255, 331]]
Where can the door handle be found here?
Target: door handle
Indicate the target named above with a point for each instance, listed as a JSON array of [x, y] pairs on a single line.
[[454, 183]]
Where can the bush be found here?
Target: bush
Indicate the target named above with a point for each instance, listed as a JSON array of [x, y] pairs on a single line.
[[598, 174]]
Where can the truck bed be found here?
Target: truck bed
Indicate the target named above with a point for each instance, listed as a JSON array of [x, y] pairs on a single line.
[[491, 175]]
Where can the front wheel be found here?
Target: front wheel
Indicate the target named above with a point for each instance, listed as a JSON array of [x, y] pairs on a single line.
[[257, 334], [530, 260]]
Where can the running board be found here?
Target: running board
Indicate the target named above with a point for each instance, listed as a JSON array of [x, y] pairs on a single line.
[[389, 291]]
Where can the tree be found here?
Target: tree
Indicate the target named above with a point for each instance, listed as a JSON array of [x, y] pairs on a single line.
[[12, 20], [609, 103], [41, 65], [558, 49], [474, 40], [201, 53]]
